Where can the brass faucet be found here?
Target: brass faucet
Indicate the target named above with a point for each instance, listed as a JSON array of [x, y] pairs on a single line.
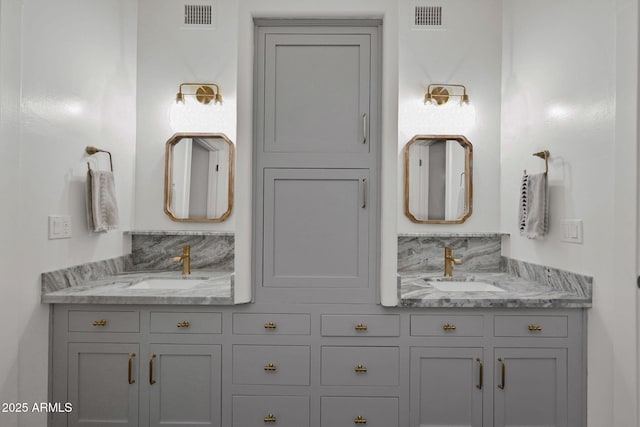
[[185, 259], [449, 262]]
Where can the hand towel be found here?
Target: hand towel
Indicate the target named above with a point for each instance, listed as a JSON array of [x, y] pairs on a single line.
[[533, 212], [102, 207]]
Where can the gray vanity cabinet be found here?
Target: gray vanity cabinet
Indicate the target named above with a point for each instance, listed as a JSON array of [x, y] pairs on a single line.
[[446, 386], [103, 384]]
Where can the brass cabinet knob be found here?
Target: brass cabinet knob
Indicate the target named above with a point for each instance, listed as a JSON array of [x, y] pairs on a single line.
[[360, 420], [184, 324], [361, 327], [360, 368], [449, 327], [270, 325], [270, 367], [535, 328], [270, 418], [102, 322]]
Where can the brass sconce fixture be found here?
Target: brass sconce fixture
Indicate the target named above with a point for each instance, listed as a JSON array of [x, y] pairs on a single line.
[[204, 93], [439, 94]]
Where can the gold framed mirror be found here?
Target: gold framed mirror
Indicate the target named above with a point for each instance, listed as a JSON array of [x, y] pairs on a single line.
[[438, 179], [198, 179]]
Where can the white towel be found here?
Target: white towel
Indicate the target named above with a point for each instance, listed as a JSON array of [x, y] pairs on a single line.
[[102, 206], [533, 212]]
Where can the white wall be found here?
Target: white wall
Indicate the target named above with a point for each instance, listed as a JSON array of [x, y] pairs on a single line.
[[561, 91], [78, 88]]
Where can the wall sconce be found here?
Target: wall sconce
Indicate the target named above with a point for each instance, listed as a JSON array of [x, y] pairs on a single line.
[[439, 94], [204, 93]]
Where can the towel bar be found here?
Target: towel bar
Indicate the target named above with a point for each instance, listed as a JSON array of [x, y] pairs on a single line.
[[543, 155], [93, 150]]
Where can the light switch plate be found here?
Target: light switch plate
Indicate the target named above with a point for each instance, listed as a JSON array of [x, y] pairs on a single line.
[[59, 227], [572, 231]]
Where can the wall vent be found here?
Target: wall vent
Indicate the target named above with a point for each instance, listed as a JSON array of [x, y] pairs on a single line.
[[198, 15], [428, 17]]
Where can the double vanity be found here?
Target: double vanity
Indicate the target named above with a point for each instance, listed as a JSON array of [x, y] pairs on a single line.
[[499, 343]]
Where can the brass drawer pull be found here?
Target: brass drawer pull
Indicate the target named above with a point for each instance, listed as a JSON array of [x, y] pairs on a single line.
[[270, 418], [502, 374], [535, 328], [360, 369], [360, 420], [480, 374], [270, 325], [130, 368], [449, 327], [184, 324], [270, 367], [151, 380], [102, 322], [361, 327]]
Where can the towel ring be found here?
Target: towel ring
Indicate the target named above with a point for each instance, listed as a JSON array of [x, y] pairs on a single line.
[[93, 150], [543, 155]]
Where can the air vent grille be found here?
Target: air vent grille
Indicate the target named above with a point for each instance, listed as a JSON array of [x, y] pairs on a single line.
[[428, 17], [198, 14]]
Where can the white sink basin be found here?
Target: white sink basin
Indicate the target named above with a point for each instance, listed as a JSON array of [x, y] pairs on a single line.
[[167, 284], [462, 286]]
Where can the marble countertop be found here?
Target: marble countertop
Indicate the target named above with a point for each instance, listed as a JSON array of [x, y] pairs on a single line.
[[414, 291], [216, 289]]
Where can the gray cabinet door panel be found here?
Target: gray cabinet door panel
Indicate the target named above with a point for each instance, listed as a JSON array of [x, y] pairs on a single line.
[[359, 411], [99, 384], [187, 388], [271, 324], [360, 366], [317, 93], [266, 364], [316, 227], [361, 325], [444, 387], [535, 387], [281, 411]]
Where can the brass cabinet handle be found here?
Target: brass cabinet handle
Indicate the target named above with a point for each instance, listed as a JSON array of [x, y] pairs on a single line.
[[130, 370], [151, 380], [480, 374], [270, 325], [360, 368], [102, 322], [502, 374], [270, 418], [360, 420], [184, 324], [449, 327], [270, 367], [361, 327], [535, 328], [364, 193]]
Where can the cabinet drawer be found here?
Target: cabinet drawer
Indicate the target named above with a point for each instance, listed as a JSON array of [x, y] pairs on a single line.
[[186, 323], [271, 324], [266, 364], [530, 326], [373, 325], [281, 411], [445, 325], [104, 321], [361, 366], [359, 411]]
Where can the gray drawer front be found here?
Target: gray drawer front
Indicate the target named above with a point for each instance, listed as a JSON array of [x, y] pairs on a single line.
[[271, 324], [104, 321], [345, 411], [361, 366], [281, 411], [375, 325], [531, 326], [266, 364], [186, 323], [442, 325]]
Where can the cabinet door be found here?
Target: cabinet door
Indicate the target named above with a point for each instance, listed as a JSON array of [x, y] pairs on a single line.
[[531, 387], [184, 382], [446, 387], [103, 384], [316, 233]]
